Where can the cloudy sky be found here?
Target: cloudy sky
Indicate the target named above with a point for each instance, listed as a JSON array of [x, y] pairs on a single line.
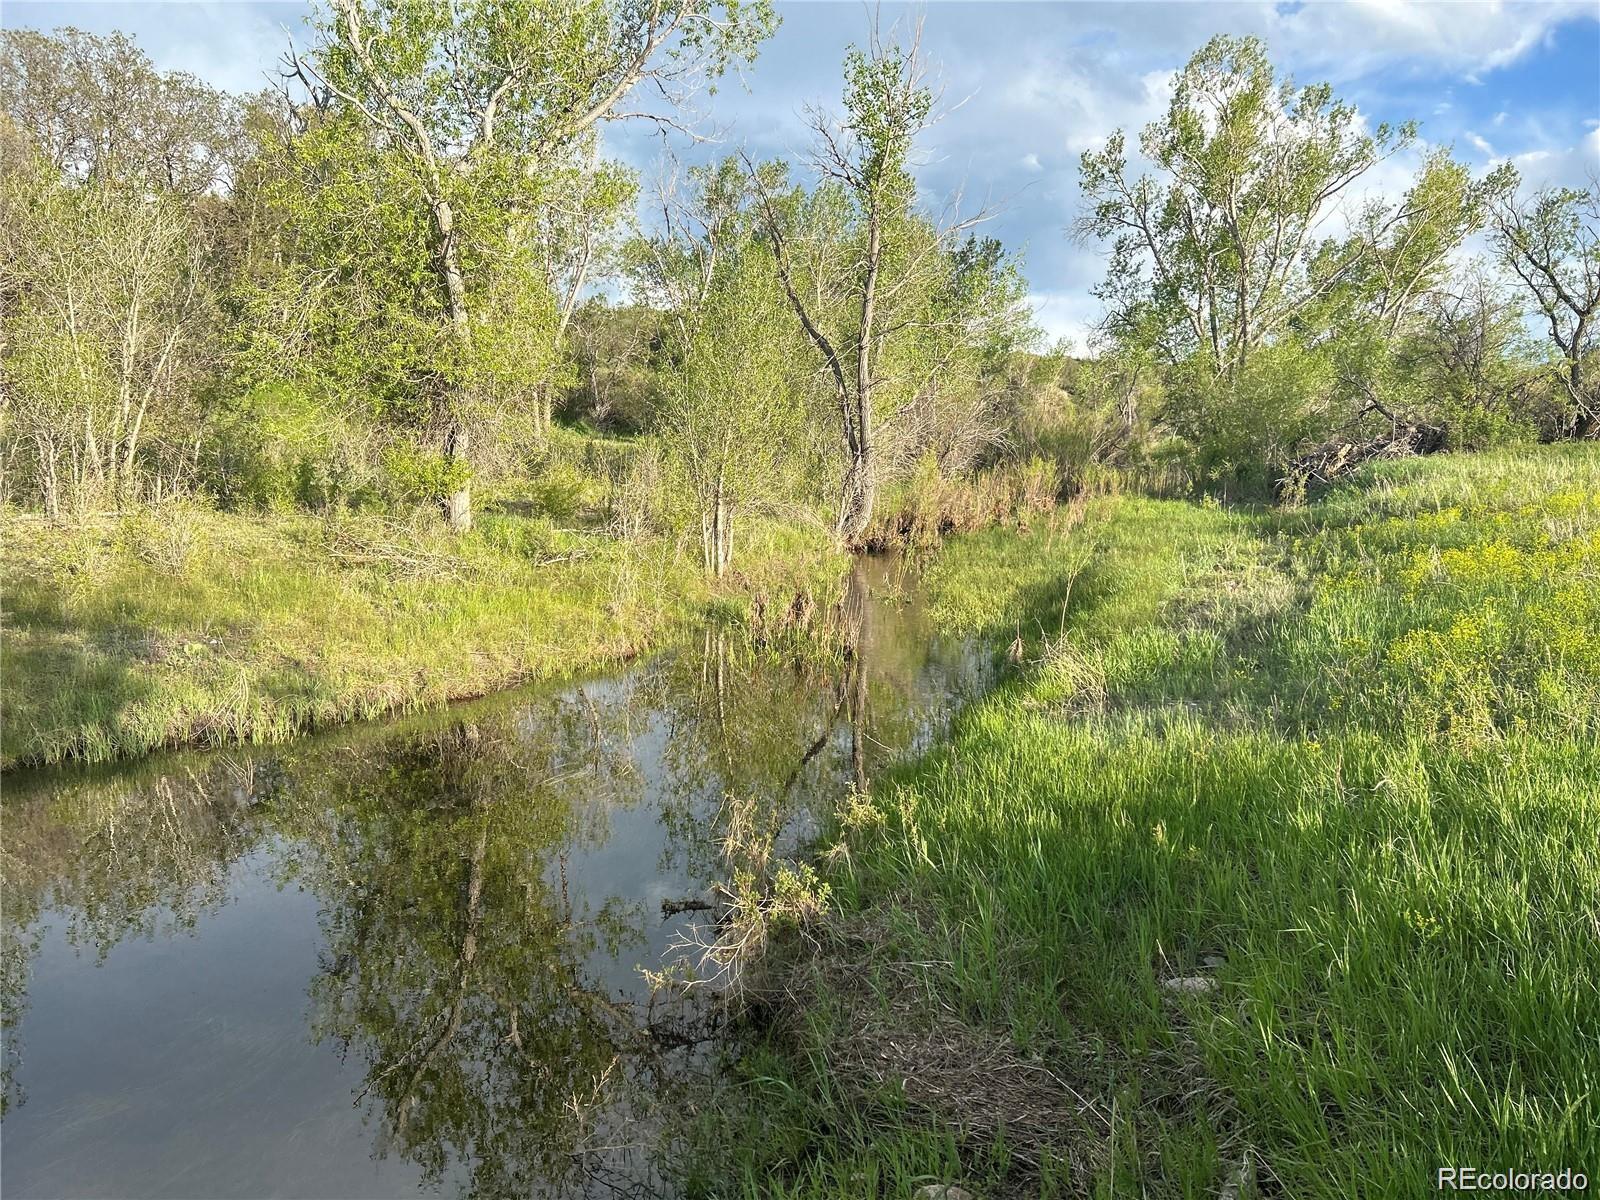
[[1030, 86]]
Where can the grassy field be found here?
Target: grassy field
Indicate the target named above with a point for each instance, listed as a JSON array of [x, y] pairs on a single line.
[[1274, 870], [182, 625]]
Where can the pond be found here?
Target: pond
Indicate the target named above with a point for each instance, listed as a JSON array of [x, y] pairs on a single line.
[[407, 958]]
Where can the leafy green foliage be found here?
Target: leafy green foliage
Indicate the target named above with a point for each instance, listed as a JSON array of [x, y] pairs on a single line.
[[1272, 337], [727, 414]]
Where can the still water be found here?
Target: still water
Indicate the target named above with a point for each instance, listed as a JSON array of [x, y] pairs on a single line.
[[406, 958]]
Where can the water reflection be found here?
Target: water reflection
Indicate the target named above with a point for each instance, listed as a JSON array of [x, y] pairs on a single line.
[[406, 957]]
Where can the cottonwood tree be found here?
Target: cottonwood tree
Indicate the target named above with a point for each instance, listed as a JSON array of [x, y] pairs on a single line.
[[1551, 241], [701, 213], [97, 109], [475, 104], [1270, 332], [113, 180], [576, 236], [612, 353], [1468, 352], [1384, 276], [957, 352], [725, 407], [1207, 254], [886, 298]]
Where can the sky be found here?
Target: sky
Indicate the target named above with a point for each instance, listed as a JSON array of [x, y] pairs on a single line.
[[1028, 86]]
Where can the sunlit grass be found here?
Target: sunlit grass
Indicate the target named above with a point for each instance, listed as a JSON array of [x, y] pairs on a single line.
[[1257, 749], [183, 625]]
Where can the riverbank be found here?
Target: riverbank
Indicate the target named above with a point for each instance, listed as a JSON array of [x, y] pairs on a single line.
[[484, 881], [178, 625], [1271, 871]]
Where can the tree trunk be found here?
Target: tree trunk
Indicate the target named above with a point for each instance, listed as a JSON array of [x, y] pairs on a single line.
[[131, 448], [721, 515], [49, 479], [856, 498], [458, 504], [1586, 424], [855, 504], [724, 536]]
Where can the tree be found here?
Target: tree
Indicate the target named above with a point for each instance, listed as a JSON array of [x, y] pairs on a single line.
[[473, 104], [887, 103], [1374, 288], [727, 412], [1208, 256], [1551, 241], [576, 235], [112, 178], [611, 348], [1467, 354], [887, 300], [97, 110], [1270, 334], [106, 329]]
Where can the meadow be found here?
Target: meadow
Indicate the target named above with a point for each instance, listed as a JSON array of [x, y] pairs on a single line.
[[1272, 870], [179, 624]]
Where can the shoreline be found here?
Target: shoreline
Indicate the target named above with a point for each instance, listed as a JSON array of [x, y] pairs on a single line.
[[118, 644], [1208, 805]]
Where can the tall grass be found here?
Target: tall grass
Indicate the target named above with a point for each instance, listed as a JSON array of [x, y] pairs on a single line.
[[182, 625], [1282, 850], [919, 511]]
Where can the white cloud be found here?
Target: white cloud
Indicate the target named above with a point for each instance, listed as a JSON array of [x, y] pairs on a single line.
[[1347, 40], [1069, 316], [1568, 166]]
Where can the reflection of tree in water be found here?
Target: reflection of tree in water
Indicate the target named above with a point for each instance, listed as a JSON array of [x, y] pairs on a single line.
[[788, 733], [116, 855], [454, 967], [736, 722], [455, 964], [458, 967]]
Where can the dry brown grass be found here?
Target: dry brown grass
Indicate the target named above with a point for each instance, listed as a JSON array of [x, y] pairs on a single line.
[[896, 1039]]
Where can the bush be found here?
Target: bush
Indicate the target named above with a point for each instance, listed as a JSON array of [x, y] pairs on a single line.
[[276, 448], [927, 505], [165, 535], [419, 476]]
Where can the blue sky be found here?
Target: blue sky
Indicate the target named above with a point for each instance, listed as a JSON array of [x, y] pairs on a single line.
[[1032, 85]]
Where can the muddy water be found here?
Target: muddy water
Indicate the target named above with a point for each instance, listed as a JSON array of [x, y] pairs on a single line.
[[406, 959]]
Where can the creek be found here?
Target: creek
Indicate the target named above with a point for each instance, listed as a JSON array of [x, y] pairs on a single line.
[[408, 957]]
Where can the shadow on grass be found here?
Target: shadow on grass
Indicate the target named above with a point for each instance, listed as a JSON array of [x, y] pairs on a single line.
[[67, 684]]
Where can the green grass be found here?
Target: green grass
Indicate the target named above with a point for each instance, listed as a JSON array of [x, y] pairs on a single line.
[[1342, 762], [181, 625]]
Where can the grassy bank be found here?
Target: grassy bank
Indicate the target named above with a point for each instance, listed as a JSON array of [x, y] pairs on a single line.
[[1273, 871], [182, 625]]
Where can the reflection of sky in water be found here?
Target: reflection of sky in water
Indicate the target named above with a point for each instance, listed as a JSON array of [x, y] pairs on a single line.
[[180, 1065], [379, 961]]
